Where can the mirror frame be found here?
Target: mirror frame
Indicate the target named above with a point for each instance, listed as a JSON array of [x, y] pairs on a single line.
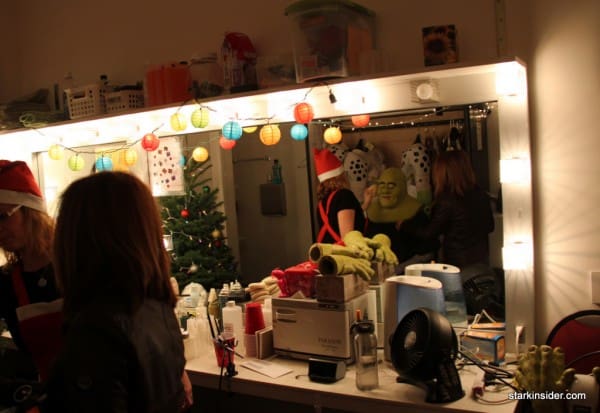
[[503, 81]]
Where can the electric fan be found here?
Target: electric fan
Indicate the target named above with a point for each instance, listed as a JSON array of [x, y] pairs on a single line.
[[423, 349]]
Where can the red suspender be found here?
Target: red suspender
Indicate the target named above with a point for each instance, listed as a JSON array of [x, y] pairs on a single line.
[[326, 226], [19, 286]]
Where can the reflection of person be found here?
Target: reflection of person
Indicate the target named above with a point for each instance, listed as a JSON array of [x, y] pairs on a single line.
[[27, 279], [388, 205], [122, 349], [461, 213], [338, 212]]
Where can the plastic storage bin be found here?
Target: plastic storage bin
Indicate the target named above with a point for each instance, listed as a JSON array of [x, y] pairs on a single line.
[[123, 100], [84, 101], [329, 36]]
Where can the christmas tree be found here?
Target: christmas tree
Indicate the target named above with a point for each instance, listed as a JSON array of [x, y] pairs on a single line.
[[195, 224]]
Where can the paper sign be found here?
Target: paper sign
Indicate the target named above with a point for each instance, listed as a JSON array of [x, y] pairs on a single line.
[[266, 367]]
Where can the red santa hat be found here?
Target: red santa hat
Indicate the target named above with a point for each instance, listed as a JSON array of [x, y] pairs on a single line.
[[18, 186], [327, 164]]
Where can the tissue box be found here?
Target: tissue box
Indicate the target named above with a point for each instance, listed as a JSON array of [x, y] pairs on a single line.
[[339, 288], [487, 345]]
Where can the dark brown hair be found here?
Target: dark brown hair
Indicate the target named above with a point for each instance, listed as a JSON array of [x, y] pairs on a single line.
[[332, 184], [108, 244], [452, 173]]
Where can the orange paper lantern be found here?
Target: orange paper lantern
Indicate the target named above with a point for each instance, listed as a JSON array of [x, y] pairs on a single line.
[[303, 113], [200, 154], [270, 134], [332, 135], [360, 121]]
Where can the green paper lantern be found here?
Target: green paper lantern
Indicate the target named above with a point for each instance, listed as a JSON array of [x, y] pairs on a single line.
[[200, 118], [76, 163]]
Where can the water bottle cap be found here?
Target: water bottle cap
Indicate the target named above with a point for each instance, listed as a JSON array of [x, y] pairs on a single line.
[[364, 327], [230, 303]]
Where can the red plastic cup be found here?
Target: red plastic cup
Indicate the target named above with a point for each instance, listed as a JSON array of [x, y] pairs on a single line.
[[224, 347], [254, 318]]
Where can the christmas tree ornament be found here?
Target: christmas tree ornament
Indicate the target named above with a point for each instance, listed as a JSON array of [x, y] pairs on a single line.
[[178, 122], [299, 132], [250, 129], [200, 117], [104, 163], [303, 112], [226, 144], [232, 130], [185, 213], [130, 156], [200, 154], [193, 268], [360, 121], [206, 190], [76, 162], [150, 142], [217, 243], [270, 134], [216, 234], [55, 152], [332, 135]]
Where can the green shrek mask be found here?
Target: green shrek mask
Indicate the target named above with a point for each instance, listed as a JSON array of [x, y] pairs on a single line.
[[392, 203]]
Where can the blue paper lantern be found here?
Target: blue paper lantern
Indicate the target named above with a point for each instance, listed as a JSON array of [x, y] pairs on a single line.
[[232, 130], [182, 160], [104, 163], [299, 132]]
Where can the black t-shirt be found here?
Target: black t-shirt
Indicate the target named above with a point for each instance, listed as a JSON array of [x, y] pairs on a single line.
[[40, 286], [342, 199]]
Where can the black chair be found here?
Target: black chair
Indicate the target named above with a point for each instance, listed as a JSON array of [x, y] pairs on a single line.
[[578, 335]]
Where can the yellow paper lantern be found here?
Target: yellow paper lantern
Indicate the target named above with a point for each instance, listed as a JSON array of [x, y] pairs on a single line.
[[55, 152], [76, 162], [250, 129], [130, 156], [270, 134], [200, 154], [178, 122], [332, 135]]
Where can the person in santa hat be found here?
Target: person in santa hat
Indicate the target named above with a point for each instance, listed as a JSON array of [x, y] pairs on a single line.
[[338, 212], [29, 298]]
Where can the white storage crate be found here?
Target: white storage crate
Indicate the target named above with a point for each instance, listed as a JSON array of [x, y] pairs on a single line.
[[86, 101], [123, 100]]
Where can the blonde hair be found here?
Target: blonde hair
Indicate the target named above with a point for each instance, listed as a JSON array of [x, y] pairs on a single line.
[[38, 228]]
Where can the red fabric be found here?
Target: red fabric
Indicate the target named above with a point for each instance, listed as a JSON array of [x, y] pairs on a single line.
[[300, 277], [327, 164], [577, 339], [326, 226], [16, 176], [42, 335]]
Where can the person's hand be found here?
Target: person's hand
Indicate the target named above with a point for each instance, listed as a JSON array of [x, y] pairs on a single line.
[[355, 239], [340, 264], [384, 253], [188, 401], [368, 196]]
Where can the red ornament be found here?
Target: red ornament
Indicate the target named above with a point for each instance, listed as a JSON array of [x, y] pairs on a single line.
[[360, 121], [226, 144], [185, 213], [150, 142], [303, 113]]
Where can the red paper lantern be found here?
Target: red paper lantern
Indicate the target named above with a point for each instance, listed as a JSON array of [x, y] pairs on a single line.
[[150, 142], [360, 121], [303, 113], [226, 144]]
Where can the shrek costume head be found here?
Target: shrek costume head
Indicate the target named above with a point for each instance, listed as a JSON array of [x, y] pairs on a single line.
[[392, 203]]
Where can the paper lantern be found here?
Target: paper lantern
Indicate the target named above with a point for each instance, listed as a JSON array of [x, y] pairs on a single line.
[[299, 132], [250, 129], [332, 135], [270, 134], [76, 162], [130, 156], [303, 112], [55, 152], [200, 118], [104, 163], [360, 121], [182, 160], [232, 130], [150, 142], [200, 154], [226, 144], [178, 122]]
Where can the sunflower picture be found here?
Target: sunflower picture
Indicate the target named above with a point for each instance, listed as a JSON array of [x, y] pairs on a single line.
[[439, 45]]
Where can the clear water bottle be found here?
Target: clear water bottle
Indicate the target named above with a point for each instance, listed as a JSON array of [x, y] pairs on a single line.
[[365, 351]]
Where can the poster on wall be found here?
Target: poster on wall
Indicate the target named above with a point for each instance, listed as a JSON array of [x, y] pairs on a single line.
[[165, 168]]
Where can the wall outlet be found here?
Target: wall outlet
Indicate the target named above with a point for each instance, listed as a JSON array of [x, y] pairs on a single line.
[[595, 286]]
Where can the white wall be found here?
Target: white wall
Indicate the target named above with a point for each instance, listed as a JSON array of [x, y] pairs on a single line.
[[559, 40]]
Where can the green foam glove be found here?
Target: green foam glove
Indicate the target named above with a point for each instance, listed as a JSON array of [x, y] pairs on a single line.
[[355, 239], [542, 369], [340, 264], [384, 253], [318, 250]]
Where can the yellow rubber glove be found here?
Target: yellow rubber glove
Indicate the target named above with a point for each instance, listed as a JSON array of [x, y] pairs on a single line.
[[318, 250], [542, 369], [355, 239], [384, 253], [340, 264]]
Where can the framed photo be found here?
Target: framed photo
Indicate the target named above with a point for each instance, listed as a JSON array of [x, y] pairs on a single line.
[[439, 45]]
